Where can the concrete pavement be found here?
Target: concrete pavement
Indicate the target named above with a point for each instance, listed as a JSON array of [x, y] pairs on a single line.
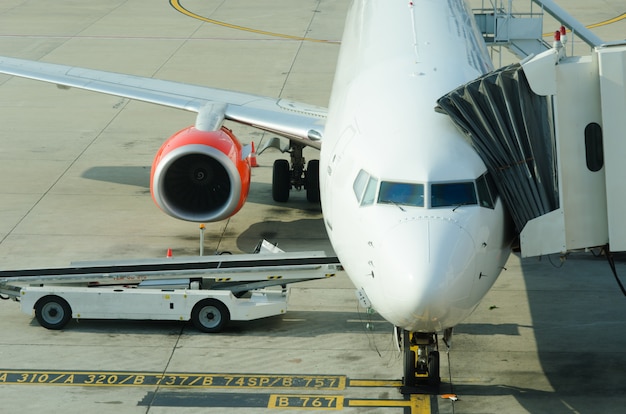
[[74, 172]]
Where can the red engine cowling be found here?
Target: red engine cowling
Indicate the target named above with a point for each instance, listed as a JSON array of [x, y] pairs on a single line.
[[200, 175]]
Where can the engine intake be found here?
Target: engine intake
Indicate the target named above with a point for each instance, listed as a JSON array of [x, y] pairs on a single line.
[[200, 175]]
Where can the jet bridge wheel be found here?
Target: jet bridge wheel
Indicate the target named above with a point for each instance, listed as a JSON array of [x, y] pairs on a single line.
[[281, 181], [210, 315], [53, 312]]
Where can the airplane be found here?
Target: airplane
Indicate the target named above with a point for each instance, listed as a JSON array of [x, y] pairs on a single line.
[[410, 208]]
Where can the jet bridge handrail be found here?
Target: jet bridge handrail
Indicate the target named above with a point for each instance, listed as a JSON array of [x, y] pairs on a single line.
[[570, 22]]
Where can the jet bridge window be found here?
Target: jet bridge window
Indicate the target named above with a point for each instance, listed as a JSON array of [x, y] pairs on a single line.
[[365, 188], [401, 193], [593, 147], [452, 194]]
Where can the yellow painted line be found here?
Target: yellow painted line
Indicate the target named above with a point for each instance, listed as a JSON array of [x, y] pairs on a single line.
[[176, 4], [177, 380], [374, 383], [607, 22], [305, 402], [379, 403], [418, 403], [594, 25]]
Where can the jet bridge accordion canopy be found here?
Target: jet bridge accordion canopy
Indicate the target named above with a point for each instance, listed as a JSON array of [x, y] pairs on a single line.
[[512, 130]]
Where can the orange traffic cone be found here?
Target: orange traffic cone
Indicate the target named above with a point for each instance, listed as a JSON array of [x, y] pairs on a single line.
[[252, 157], [169, 253]]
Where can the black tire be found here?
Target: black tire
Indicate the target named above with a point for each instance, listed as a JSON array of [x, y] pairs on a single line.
[[409, 360], [313, 181], [210, 315], [281, 181], [409, 369], [53, 312], [433, 369]]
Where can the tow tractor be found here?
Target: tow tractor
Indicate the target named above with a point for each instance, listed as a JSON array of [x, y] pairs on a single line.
[[208, 290]]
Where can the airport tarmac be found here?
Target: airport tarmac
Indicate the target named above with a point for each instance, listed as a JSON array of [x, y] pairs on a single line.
[[74, 169]]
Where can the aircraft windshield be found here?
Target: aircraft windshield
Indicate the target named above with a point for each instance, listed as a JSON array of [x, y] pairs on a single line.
[[452, 194], [365, 188], [401, 193]]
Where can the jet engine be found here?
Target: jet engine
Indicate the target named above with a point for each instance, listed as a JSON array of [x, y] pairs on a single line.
[[200, 176]]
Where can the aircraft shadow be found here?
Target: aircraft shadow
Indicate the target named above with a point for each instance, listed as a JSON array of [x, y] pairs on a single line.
[[298, 235], [134, 175], [293, 324], [578, 322], [139, 176], [488, 329]]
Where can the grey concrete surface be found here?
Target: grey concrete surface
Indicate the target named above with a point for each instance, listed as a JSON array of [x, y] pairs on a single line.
[[74, 172]]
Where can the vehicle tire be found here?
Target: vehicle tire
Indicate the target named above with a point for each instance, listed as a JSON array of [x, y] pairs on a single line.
[[210, 315], [281, 181], [53, 312], [313, 181]]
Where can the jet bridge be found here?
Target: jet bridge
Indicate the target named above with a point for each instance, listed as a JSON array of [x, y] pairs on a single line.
[[551, 132], [511, 129], [521, 32]]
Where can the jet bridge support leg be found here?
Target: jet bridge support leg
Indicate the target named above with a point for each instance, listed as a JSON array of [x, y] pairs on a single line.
[[421, 362]]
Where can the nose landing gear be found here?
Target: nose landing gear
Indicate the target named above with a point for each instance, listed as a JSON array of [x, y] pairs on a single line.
[[421, 362]]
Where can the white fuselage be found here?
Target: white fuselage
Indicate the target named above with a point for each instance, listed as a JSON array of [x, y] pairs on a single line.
[[424, 263]]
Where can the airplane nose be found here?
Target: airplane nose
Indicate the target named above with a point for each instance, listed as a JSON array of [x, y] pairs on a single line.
[[435, 274]]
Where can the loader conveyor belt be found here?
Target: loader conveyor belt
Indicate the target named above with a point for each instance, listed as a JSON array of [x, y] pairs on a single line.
[[248, 267]]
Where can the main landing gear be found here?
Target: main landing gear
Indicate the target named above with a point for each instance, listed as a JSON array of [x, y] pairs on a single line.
[[421, 362], [286, 176]]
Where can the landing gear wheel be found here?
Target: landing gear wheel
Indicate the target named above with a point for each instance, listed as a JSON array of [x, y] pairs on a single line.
[[313, 181], [210, 315], [409, 360], [421, 363], [409, 369], [433, 369], [281, 181], [53, 312]]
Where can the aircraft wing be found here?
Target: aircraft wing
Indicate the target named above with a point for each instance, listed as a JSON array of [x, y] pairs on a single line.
[[293, 120]]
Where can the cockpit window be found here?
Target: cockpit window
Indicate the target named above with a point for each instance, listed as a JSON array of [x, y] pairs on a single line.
[[401, 193], [370, 192], [486, 194], [359, 184], [365, 188], [452, 194]]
